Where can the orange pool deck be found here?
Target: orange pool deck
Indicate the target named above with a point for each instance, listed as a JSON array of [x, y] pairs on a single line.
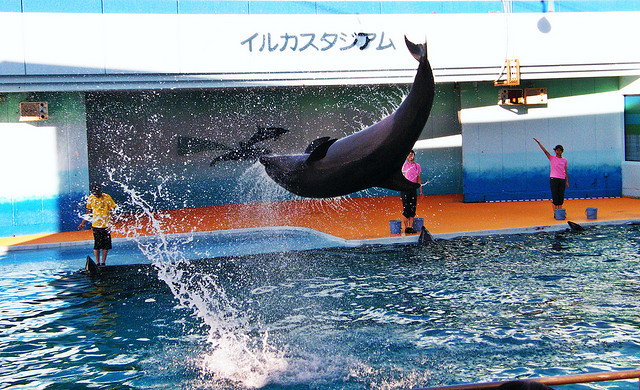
[[360, 218]]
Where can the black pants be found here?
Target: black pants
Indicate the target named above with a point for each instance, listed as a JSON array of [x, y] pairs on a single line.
[[409, 203], [101, 238], [558, 186]]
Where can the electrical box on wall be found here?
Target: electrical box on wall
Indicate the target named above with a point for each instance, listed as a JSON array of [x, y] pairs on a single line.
[[510, 96], [527, 96], [533, 96], [34, 111]]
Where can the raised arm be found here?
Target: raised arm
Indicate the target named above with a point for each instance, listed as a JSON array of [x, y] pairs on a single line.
[[542, 147]]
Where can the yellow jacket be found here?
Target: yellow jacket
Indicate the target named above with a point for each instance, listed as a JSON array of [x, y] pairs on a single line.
[[100, 210]]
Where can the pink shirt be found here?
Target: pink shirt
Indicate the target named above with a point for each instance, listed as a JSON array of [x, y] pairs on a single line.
[[558, 167], [411, 171]]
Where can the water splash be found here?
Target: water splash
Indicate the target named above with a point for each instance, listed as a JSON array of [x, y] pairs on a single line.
[[254, 183], [240, 351]]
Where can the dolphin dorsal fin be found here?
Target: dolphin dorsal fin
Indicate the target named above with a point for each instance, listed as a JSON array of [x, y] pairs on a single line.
[[575, 227], [315, 143], [318, 148], [425, 237]]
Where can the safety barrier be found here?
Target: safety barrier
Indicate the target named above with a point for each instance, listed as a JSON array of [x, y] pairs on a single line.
[[554, 380]]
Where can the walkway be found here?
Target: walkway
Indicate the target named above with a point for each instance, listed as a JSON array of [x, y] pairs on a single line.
[[363, 218]]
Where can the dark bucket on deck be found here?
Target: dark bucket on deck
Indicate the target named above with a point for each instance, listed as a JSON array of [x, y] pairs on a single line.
[[395, 226], [418, 223]]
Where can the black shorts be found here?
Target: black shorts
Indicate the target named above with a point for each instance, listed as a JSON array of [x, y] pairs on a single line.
[[101, 238], [409, 203], [558, 186]]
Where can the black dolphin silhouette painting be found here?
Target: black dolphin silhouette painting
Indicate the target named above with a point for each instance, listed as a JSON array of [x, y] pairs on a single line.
[[372, 157], [244, 151]]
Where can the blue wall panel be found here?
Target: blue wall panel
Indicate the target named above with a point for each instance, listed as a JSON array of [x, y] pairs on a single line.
[[49, 164], [140, 6], [585, 180], [64, 6], [596, 6], [213, 7], [10, 6], [6, 214], [283, 7], [45, 215], [28, 212], [584, 183], [348, 7], [309, 7]]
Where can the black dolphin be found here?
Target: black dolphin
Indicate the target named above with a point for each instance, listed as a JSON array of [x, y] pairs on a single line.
[[425, 237], [575, 227], [372, 157], [90, 267]]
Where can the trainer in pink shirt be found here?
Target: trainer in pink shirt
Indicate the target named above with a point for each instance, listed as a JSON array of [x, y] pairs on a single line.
[[411, 171], [558, 167]]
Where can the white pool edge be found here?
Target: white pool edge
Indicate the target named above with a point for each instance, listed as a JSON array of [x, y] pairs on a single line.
[[340, 242]]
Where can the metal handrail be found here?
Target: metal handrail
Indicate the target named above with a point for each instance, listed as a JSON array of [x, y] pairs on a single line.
[[553, 380]]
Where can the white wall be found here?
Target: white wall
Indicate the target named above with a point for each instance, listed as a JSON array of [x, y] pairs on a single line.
[[210, 48], [45, 174]]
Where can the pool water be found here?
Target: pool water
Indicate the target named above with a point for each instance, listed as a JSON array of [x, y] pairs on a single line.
[[372, 317]]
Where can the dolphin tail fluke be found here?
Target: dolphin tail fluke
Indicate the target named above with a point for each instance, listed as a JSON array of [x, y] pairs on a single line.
[[397, 182], [417, 50]]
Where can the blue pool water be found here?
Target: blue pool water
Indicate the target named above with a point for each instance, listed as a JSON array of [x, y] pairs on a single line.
[[371, 317]]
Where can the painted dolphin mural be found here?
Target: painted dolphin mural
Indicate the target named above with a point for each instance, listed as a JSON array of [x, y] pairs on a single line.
[[372, 157], [244, 151]]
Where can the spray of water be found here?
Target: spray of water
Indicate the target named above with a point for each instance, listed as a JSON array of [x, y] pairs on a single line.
[[254, 183], [235, 353]]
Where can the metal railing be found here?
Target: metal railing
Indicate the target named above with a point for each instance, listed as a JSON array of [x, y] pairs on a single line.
[[553, 380]]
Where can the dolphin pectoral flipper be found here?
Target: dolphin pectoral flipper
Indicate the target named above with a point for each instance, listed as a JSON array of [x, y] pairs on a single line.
[[321, 149], [398, 182]]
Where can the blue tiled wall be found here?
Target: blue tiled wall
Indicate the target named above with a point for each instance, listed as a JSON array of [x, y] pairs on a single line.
[[308, 7], [77, 6]]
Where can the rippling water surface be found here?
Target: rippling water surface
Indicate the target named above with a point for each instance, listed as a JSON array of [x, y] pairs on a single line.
[[375, 317]]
